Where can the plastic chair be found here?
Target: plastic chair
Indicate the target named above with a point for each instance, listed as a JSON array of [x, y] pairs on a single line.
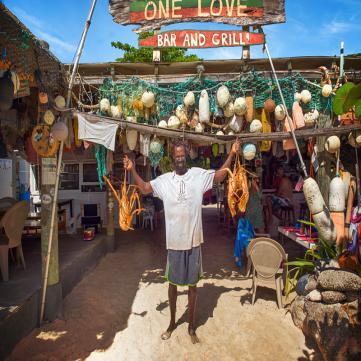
[[13, 223], [91, 216], [267, 257], [6, 203], [148, 218]]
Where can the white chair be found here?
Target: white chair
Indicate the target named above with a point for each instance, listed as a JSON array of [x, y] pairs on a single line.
[[148, 218], [13, 223]]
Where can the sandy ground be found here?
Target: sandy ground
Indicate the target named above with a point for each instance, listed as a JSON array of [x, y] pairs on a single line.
[[119, 310]]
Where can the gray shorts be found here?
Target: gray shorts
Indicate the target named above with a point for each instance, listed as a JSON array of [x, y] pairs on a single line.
[[184, 268]]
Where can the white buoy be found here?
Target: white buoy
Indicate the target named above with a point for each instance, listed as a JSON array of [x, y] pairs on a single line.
[[204, 115]]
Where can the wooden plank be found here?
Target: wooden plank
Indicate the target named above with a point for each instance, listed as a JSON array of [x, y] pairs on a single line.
[[154, 14], [223, 139], [198, 39]]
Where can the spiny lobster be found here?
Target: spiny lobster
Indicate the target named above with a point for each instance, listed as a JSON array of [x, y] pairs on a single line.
[[126, 204]]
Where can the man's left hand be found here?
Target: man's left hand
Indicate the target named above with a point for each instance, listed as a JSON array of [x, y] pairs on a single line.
[[236, 147]]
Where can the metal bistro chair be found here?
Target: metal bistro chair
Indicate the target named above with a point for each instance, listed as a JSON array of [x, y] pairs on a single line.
[[267, 257], [13, 223]]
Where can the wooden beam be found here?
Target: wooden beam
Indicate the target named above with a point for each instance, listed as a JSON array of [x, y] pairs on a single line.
[[223, 139]]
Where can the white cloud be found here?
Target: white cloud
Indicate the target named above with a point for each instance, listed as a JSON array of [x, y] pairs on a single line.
[[38, 27], [338, 27]]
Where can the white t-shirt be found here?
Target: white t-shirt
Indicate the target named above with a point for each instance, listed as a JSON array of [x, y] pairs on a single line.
[[182, 196]]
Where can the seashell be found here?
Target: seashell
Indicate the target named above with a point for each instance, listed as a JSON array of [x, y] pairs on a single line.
[[326, 90], [249, 151], [332, 144], [229, 110], [173, 122], [240, 106], [115, 111], [297, 97], [306, 96], [219, 133], [313, 196], [181, 114], [256, 126], [105, 105], [269, 105], [280, 112], [223, 96], [230, 132], [60, 131], [336, 201], [162, 124], [189, 99], [199, 128], [60, 101], [148, 98], [311, 117], [49, 117], [250, 110], [236, 124], [132, 136], [204, 115]]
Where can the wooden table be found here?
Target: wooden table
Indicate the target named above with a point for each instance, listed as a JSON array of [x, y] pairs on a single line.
[[301, 240]]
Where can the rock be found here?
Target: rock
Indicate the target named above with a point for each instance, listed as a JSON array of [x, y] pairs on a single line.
[[339, 280], [323, 264], [336, 328], [301, 285], [352, 296], [297, 312], [314, 296], [333, 297], [311, 285]]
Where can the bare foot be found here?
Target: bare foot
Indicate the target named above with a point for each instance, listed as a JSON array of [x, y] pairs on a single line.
[[166, 335], [193, 335]]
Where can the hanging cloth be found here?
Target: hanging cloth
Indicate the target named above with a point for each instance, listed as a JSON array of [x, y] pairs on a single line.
[[266, 128], [245, 233], [100, 132]]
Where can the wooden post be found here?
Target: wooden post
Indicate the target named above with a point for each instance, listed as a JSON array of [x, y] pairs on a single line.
[[110, 224], [246, 50], [48, 178]]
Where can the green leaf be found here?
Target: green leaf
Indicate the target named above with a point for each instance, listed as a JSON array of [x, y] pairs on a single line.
[[340, 98], [307, 223], [301, 263], [358, 109], [352, 96]]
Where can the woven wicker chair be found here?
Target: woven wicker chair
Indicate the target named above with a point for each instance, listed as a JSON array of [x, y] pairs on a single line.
[[267, 257], [13, 224]]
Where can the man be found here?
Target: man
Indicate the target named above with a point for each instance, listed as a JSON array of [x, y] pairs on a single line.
[[182, 192]]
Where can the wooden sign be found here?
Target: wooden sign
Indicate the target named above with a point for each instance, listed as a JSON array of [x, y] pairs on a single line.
[[155, 13], [193, 39]]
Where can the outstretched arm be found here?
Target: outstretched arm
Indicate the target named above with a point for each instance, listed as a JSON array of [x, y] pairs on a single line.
[[222, 172], [144, 187]]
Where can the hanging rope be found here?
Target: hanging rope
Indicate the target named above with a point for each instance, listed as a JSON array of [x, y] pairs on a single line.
[[100, 156]]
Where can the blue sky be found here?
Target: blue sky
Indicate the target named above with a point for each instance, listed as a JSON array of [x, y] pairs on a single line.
[[311, 28]]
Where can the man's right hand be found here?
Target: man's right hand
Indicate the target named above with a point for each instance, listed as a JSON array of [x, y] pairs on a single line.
[[127, 163]]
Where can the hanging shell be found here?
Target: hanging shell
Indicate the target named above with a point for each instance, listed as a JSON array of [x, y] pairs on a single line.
[[313, 196], [162, 124], [256, 126], [105, 105], [132, 136], [269, 105], [60, 101], [337, 197], [332, 144], [148, 98], [189, 99], [311, 117], [49, 117], [204, 115], [181, 114], [249, 151], [60, 131], [195, 119], [240, 106], [155, 146], [219, 133], [306, 96], [115, 111], [223, 96], [229, 110], [236, 123], [173, 122], [325, 226], [250, 109], [326, 90], [297, 97], [199, 128], [280, 112]]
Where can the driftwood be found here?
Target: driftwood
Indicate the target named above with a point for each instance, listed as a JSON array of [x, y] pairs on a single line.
[[274, 12], [222, 139]]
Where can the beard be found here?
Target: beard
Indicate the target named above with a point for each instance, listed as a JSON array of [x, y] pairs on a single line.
[[180, 167]]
